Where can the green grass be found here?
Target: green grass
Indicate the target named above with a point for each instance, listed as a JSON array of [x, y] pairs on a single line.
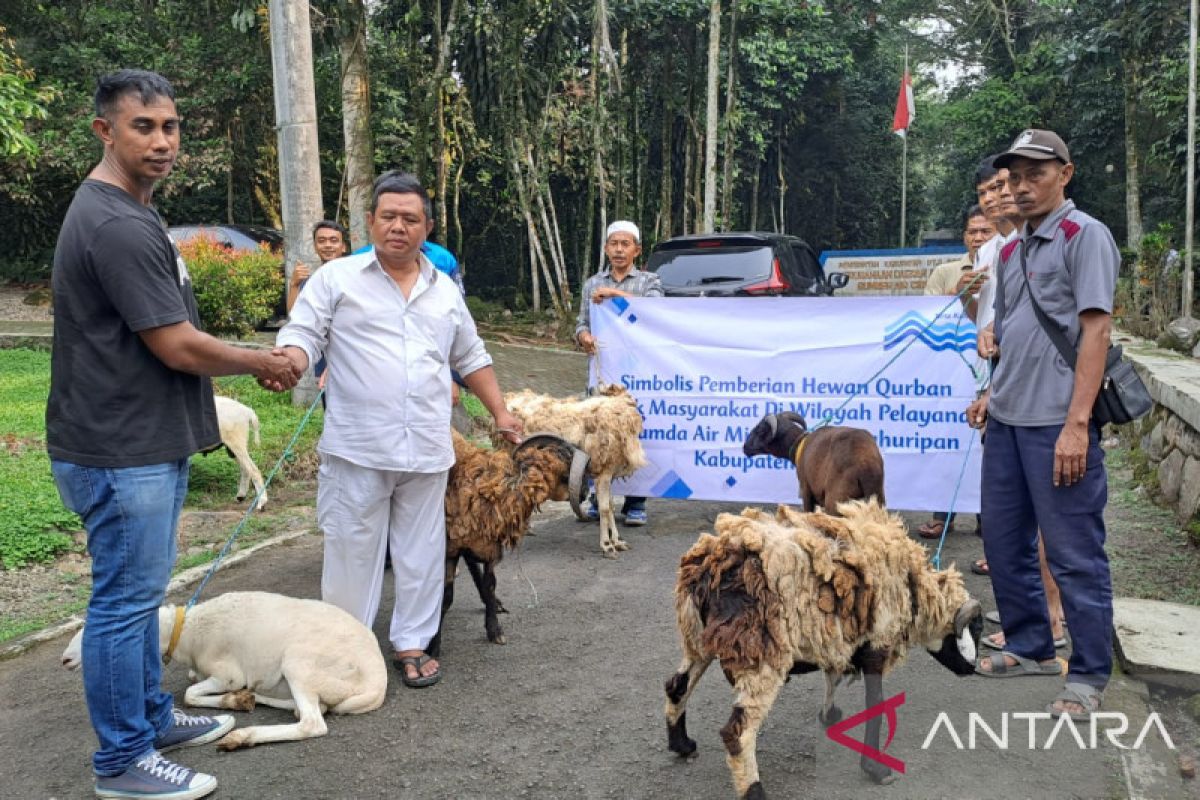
[[214, 477], [34, 525], [473, 406]]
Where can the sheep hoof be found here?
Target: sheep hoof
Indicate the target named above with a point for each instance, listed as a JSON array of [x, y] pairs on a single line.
[[879, 774], [233, 741], [755, 792], [621, 544], [241, 700], [498, 639], [610, 553], [830, 717]]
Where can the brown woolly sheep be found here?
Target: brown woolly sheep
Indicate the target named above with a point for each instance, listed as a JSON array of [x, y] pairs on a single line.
[[773, 596], [833, 464], [606, 426], [490, 496]]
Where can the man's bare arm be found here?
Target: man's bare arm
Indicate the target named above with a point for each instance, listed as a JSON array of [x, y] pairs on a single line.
[[184, 348]]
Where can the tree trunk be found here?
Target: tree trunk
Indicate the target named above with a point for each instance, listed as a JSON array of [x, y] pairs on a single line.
[[229, 175], [458, 228], [687, 180], [356, 119], [712, 114], [665, 201], [1133, 200], [754, 197], [441, 66], [782, 181], [729, 149]]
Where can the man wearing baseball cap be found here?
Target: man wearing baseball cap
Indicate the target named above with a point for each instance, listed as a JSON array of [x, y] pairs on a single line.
[[622, 246], [1043, 466]]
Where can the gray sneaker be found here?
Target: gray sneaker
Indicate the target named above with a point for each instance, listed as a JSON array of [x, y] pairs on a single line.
[[187, 731], [153, 777]]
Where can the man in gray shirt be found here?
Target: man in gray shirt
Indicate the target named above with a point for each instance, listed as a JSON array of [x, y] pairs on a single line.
[[1043, 466], [622, 246]]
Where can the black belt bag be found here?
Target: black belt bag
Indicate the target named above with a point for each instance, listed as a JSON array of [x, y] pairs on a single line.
[[1123, 396]]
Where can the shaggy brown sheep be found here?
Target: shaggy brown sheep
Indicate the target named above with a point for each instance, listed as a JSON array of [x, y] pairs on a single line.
[[772, 596], [833, 464], [490, 496], [607, 426]]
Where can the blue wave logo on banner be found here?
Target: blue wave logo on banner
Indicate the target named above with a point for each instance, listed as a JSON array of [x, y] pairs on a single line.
[[943, 333]]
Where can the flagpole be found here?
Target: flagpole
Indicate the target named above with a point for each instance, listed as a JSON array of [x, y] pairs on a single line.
[[903, 187], [904, 169]]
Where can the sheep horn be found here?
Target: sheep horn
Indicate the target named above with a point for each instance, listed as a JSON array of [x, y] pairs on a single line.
[[542, 440], [969, 611], [575, 483], [772, 421]]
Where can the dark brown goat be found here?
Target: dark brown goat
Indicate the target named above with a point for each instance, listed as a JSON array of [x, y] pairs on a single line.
[[490, 496], [833, 464]]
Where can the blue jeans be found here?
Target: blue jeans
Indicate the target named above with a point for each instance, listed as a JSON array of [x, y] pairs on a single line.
[[130, 514]]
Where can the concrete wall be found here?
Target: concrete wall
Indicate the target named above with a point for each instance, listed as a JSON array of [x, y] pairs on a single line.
[[1168, 437]]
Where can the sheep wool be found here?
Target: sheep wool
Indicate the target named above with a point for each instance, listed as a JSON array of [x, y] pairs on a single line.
[[490, 496], [795, 592], [607, 426]]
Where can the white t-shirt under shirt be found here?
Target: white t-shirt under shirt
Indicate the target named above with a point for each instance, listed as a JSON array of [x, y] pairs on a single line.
[[986, 259]]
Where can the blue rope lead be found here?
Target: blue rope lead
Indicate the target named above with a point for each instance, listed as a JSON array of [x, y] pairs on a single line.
[[254, 503], [936, 558], [829, 415]]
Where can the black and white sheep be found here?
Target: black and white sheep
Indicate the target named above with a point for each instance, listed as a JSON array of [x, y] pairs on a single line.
[[772, 596], [834, 463]]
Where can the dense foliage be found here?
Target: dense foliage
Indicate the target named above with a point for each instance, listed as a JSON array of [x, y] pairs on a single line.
[[235, 291], [534, 122]]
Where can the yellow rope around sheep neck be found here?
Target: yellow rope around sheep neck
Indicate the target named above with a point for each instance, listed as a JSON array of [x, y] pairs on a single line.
[[176, 632]]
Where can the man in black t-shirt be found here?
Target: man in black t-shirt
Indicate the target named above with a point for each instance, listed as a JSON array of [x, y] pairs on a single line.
[[130, 401]]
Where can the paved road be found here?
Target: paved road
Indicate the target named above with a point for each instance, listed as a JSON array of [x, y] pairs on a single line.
[[572, 706]]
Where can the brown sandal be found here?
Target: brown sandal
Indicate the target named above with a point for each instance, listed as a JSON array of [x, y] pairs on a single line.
[[932, 529]]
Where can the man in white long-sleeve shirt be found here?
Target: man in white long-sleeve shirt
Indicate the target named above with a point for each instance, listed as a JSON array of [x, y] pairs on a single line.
[[391, 327]]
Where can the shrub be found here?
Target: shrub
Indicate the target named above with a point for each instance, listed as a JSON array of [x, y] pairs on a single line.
[[236, 291]]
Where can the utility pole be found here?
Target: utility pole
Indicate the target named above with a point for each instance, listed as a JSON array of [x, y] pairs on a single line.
[[296, 130], [1191, 163]]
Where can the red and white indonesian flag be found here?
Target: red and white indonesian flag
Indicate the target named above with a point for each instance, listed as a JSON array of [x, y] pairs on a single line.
[[906, 111]]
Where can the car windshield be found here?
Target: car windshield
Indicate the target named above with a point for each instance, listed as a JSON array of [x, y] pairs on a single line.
[[714, 265]]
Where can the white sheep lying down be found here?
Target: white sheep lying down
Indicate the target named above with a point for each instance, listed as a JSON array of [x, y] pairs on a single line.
[[257, 647], [236, 421]]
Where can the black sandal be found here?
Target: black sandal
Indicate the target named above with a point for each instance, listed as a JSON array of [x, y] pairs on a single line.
[[416, 662]]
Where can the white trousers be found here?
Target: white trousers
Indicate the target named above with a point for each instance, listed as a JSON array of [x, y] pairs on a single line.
[[365, 512]]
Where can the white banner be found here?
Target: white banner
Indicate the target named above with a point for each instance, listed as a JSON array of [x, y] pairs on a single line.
[[706, 370], [888, 272]]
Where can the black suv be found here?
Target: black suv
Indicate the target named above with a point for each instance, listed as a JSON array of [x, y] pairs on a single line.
[[740, 264]]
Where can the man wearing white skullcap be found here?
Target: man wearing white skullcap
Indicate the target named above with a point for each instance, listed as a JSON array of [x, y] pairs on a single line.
[[622, 246]]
